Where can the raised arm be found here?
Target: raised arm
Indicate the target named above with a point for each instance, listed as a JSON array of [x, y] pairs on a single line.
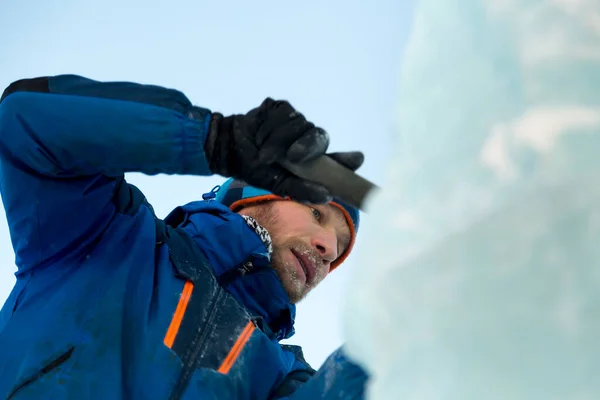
[[68, 126], [65, 143]]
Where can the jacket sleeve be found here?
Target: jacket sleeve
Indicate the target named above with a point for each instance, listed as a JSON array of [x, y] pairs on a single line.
[[65, 144], [337, 379]]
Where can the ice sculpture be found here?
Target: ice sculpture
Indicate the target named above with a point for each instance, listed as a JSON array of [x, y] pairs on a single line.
[[480, 270]]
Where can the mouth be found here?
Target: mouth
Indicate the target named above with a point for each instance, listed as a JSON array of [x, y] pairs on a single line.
[[307, 265]]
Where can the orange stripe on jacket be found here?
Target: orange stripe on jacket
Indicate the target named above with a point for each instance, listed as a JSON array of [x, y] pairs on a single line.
[[237, 348], [184, 300]]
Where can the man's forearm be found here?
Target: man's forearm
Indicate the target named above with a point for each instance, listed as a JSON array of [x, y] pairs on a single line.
[[337, 379], [69, 126]]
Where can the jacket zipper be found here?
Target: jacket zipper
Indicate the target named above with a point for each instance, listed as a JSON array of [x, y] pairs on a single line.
[[189, 363], [230, 276]]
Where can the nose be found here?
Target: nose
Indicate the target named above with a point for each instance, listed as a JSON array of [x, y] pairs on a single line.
[[325, 242]]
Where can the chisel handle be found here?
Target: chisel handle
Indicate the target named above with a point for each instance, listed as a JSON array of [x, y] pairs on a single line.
[[341, 182]]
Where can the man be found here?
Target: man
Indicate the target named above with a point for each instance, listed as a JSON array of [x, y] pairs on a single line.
[[113, 303]]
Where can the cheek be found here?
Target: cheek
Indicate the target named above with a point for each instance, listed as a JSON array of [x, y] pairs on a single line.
[[275, 232], [285, 231], [281, 239], [277, 261]]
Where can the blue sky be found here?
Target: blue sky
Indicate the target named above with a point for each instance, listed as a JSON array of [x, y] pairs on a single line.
[[337, 61]]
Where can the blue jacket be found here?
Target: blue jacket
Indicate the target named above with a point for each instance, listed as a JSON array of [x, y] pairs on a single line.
[[111, 302]]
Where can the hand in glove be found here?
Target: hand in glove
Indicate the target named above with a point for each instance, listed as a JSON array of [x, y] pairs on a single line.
[[248, 147]]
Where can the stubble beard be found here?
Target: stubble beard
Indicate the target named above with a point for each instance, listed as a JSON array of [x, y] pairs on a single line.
[[293, 281]]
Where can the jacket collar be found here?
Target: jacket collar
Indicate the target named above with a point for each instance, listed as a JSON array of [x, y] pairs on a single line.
[[240, 262]]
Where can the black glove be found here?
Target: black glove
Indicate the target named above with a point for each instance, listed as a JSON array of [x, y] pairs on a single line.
[[248, 147]]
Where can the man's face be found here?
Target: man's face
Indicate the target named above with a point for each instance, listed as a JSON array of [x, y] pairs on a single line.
[[306, 240]]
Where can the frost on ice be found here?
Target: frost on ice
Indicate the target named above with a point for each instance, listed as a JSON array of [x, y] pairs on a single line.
[[480, 261]]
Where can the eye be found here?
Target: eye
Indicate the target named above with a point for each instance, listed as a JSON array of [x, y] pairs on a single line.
[[316, 213]]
